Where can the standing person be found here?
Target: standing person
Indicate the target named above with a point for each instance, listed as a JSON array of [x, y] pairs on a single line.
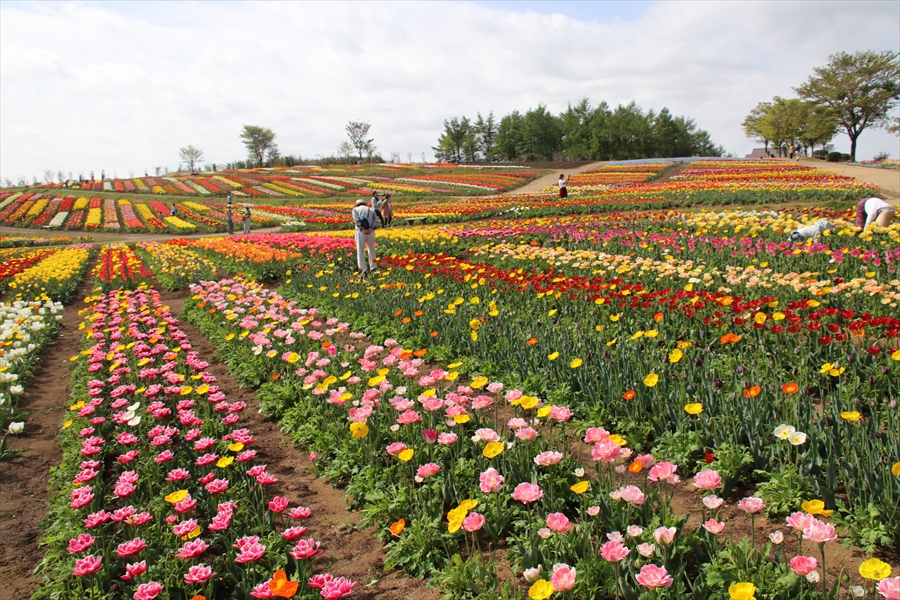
[[377, 203], [229, 218], [873, 210], [563, 181], [364, 219], [387, 209], [173, 211], [246, 219], [229, 199]]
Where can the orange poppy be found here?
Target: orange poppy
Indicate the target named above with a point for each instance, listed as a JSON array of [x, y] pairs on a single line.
[[276, 376], [658, 317], [281, 586], [418, 313], [420, 353], [730, 338], [753, 392], [636, 466], [397, 527], [212, 310], [790, 388], [199, 597], [434, 334], [406, 320], [326, 345], [532, 341], [399, 312], [629, 395], [406, 355]]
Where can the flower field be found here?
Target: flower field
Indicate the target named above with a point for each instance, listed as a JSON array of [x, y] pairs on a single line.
[[589, 406], [311, 181], [612, 175]]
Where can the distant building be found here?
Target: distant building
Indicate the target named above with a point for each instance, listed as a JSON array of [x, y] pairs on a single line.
[[761, 153]]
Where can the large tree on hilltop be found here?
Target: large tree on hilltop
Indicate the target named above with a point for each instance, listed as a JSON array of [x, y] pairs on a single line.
[[259, 141], [860, 90]]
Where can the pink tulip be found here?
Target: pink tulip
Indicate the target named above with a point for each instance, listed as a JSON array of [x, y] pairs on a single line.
[[712, 502], [799, 521], [198, 574], [129, 548], [319, 581], [707, 480], [278, 504], [301, 512], [427, 470], [714, 527], [473, 522], [663, 471], [87, 565], [430, 436], [192, 549], [605, 450], [613, 551], [664, 535], [293, 533], [545, 459], [593, 510], [595, 434], [250, 553], [558, 522], [889, 587], [447, 439], [803, 565], [527, 493], [148, 591], [337, 588], [631, 494], [184, 528], [490, 481], [134, 569], [819, 532], [306, 548], [652, 576], [646, 550], [563, 578], [751, 505], [81, 543]]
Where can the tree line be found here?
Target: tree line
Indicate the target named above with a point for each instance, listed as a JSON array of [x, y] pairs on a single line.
[[854, 92], [581, 132]]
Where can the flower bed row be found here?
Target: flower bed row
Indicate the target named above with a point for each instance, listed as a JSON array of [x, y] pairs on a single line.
[[440, 463], [159, 491], [55, 277]]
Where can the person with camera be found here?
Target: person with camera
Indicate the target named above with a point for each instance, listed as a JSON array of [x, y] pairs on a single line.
[[364, 218]]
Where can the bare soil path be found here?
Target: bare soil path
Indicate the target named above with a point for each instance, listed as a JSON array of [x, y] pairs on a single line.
[[24, 480], [552, 179], [887, 180]]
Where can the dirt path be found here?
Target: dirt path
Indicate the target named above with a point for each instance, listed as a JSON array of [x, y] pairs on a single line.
[[349, 552], [24, 480], [888, 180], [552, 179]]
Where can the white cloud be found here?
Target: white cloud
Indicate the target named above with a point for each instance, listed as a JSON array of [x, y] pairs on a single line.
[[121, 86]]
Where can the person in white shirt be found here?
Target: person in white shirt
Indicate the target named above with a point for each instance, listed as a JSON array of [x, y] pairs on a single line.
[[563, 181], [376, 205], [815, 230], [365, 220], [873, 210]]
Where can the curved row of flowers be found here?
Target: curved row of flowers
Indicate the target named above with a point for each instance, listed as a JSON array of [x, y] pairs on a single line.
[[438, 463], [160, 493]]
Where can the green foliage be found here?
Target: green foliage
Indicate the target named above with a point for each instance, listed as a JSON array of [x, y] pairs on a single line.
[[865, 526], [260, 141], [784, 490], [475, 577]]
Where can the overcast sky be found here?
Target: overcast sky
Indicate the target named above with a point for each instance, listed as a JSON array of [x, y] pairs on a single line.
[[121, 86]]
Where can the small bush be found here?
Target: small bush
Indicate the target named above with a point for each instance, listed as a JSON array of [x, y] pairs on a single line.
[[833, 157]]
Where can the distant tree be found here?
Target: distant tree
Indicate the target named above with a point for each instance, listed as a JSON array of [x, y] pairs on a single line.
[[894, 127], [576, 130], [259, 141], [818, 127], [7, 182], [157, 170], [358, 130], [345, 150], [192, 155], [755, 126], [458, 139], [486, 134], [48, 176], [272, 155], [60, 176], [860, 89]]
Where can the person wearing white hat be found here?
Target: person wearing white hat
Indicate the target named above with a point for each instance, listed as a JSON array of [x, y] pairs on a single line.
[[366, 221]]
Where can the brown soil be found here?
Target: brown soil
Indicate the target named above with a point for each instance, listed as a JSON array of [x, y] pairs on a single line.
[[24, 479], [887, 180], [552, 179], [349, 552]]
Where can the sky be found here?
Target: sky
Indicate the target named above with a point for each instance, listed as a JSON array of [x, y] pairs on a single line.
[[121, 86]]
